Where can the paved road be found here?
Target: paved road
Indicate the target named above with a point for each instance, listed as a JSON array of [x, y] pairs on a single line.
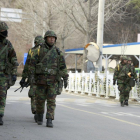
[[76, 118]]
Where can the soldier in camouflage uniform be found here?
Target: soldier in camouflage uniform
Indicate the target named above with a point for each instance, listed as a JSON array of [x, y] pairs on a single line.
[[48, 67], [122, 78], [8, 67], [132, 68], [133, 73], [25, 75]]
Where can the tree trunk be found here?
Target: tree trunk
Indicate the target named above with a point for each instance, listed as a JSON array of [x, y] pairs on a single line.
[[87, 36], [62, 45], [85, 53]]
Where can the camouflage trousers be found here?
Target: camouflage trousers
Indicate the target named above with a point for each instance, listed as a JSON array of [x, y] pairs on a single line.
[[43, 93], [32, 95], [124, 91], [3, 94]]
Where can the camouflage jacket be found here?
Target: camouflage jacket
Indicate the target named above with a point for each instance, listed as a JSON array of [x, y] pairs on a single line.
[[132, 70], [51, 68], [25, 73], [8, 56], [121, 73]]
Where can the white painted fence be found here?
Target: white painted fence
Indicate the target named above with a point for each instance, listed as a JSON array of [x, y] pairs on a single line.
[[98, 84]]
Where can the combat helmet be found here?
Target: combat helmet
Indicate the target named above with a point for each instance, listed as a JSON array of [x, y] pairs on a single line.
[[39, 40], [129, 59], [3, 26], [124, 58], [50, 33]]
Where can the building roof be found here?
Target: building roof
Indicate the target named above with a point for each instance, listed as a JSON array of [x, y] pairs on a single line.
[[116, 49]]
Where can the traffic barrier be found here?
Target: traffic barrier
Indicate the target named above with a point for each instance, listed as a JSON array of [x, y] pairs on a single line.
[[97, 84]]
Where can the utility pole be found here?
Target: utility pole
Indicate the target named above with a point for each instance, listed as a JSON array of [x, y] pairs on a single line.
[[100, 31]]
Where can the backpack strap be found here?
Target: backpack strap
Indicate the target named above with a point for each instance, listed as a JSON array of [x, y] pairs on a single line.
[[58, 51], [30, 52], [118, 67]]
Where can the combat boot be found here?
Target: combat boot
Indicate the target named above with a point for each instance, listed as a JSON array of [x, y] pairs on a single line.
[[126, 102], [49, 123], [35, 118], [1, 121], [122, 104], [39, 119]]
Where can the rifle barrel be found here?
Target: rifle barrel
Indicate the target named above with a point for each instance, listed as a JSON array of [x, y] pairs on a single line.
[[17, 89]]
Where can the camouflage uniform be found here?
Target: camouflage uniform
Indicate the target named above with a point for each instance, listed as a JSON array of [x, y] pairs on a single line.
[[38, 41], [122, 78], [46, 70], [132, 69], [134, 75], [8, 67]]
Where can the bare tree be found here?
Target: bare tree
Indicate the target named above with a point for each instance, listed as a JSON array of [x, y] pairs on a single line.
[[84, 15], [36, 18]]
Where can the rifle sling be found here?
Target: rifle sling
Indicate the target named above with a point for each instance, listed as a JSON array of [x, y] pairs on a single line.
[[47, 54], [3, 49]]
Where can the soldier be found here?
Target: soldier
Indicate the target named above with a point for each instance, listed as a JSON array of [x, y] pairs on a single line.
[[8, 67], [38, 41], [134, 76], [132, 68], [121, 76], [48, 67]]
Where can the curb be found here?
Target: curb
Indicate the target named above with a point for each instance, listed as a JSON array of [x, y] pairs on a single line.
[[131, 101]]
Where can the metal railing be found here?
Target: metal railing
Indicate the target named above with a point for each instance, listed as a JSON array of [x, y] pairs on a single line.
[[98, 84]]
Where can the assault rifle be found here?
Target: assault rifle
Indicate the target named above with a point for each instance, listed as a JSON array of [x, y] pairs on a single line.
[[26, 84]]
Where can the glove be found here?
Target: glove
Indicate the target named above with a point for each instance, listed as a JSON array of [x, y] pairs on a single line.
[[22, 82], [65, 83], [14, 77], [114, 82]]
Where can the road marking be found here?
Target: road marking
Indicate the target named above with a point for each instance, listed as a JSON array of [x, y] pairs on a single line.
[[82, 104], [100, 115], [86, 102], [120, 114]]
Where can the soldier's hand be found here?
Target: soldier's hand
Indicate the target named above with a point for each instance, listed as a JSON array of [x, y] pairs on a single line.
[[14, 77], [65, 83], [22, 82], [114, 82]]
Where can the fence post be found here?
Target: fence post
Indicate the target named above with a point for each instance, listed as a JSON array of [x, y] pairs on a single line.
[[132, 91], [98, 90], [89, 93], [83, 83], [117, 92], [69, 82], [76, 82], [107, 73]]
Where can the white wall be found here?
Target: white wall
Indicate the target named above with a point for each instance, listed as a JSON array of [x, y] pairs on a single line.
[[111, 64]]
